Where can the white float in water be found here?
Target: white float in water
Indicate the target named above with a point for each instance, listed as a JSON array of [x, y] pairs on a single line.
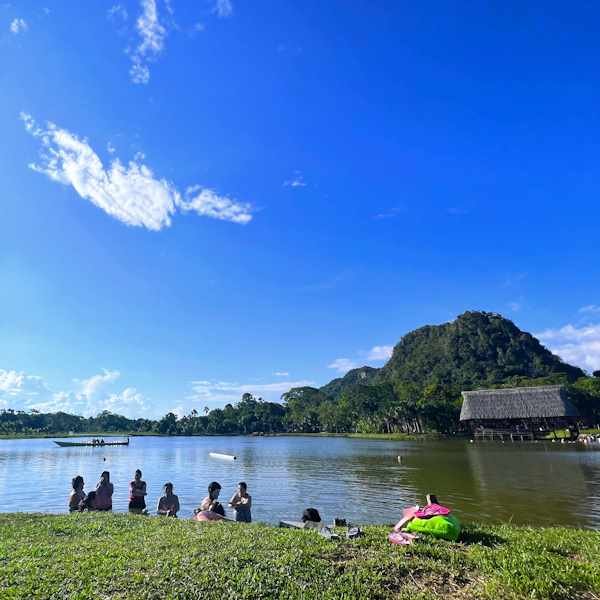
[[223, 456]]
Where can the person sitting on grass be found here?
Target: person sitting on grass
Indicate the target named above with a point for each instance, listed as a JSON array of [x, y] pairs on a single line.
[[104, 492], [241, 502], [168, 505], [77, 495], [312, 519], [211, 502], [137, 491]]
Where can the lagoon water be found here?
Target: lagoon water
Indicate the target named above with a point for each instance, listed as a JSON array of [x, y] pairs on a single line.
[[360, 480]]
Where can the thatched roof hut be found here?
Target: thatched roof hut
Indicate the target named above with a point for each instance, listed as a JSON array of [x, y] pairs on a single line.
[[543, 402]]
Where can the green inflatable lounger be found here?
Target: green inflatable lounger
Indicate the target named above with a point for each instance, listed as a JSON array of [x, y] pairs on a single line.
[[444, 527]]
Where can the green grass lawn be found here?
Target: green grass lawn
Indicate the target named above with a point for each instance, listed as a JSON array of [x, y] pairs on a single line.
[[83, 556]]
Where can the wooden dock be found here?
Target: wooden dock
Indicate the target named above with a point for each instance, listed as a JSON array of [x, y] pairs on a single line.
[[503, 435]]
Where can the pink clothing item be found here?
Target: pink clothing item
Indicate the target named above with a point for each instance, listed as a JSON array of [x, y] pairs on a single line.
[[207, 515], [401, 538], [103, 499], [432, 510], [407, 514]]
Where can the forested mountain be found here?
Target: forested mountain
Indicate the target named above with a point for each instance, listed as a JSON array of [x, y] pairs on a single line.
[[476, 349], [417, 390]]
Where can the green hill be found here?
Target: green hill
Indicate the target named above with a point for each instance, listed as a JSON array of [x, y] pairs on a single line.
[[477, 349]]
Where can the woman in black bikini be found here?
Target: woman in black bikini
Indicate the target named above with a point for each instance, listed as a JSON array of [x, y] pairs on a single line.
[[137, 491]]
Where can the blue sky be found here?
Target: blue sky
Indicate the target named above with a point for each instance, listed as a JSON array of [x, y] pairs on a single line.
[[210, 197]]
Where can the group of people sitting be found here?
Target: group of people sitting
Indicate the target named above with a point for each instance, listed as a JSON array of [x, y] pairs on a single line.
[[210, 508]]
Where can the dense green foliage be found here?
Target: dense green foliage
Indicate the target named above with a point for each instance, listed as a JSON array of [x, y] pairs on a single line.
[[83, 556], [418, 390]]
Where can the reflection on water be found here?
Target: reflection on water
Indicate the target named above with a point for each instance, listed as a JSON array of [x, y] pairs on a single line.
[[360, 480]]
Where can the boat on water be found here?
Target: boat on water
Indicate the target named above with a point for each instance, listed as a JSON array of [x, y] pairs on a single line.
[[92, 444]]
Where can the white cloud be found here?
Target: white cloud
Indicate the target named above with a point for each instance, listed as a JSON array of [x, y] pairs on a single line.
[[514, 306], [89, 396], [343, 365], [130, 193], [18, 389], [375, 354], [93, 385], [223, 8], [18, 26], [391, 213], [576, 345], [129, 403], [281, 374], [207, 203], [296, 181], [380, 352], [152, 38], [215, 394], [590, 308], [117, 11]]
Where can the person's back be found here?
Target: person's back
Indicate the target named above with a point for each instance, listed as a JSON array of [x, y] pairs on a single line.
[[104, 492], [77, 495]]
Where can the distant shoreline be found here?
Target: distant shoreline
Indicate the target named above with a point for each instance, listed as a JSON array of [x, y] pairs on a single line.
[[401, 437]]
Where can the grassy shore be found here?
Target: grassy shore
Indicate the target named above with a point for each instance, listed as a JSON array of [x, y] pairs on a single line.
[[83, 556]]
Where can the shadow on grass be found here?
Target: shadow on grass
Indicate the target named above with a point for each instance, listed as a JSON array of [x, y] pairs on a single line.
[[483, 538]]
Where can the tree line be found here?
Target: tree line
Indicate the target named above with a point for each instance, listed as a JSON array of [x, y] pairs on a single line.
[[381, 408]]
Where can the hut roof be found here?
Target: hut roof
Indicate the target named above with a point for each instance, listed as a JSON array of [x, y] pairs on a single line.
[[517, 403]]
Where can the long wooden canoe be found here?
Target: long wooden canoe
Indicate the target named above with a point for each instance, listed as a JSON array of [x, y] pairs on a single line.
[[91, 444]]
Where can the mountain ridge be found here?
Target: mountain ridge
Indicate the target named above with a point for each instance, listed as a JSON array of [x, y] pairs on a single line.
[[476, 349]]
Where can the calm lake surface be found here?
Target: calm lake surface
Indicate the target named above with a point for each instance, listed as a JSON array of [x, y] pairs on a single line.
[[360, 480]]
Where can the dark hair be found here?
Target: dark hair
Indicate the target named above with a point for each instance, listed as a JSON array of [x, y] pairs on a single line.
[[243, 484], [311, 514], [88, 502], [214, 486], [168, 485], [105, 473], [77, 481], [138, 471]]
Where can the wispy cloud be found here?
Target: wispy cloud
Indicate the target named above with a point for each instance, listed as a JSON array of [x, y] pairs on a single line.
[[152, 36], [207, 203], [281, 374], [223, 8], [380, 352], [215, 394], [297, 181], [18, 26], [390, 213], [343, 365], [590, 309], [515, 306], [128, 192], [117, 11], [376, 354], [576, 345]]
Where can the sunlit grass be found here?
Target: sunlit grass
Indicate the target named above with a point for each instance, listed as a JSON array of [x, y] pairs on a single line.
[[120, 556]]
